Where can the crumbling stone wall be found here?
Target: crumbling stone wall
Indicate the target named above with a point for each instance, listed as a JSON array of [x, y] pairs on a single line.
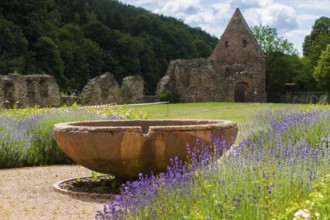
[[28, 90], [235, 71], [132, 89], [194, 80], [105, 89]]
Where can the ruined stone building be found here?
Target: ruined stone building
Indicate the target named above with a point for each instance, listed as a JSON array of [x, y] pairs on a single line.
[[28, 90], [235, 71]]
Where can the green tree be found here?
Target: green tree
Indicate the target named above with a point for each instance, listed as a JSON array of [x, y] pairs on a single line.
[[47, 59], [13, 48], [281, 61], [317, 40], [202, 48], [304, 78], [76, 65], [322, 70], [268, 40]]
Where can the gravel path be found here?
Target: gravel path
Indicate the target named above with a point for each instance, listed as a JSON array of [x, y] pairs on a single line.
[[27, 193]]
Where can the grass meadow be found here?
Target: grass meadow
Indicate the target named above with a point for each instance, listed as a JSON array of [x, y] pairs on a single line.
[[279, 168], [237, 112]]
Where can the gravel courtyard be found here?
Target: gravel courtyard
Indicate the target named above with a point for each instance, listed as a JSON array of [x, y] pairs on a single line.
[[27, 193]]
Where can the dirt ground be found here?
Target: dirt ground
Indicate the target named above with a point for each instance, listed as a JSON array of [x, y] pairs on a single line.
[[27, 193]]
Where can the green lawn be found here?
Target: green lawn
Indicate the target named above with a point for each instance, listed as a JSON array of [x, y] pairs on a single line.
[[237, 112]]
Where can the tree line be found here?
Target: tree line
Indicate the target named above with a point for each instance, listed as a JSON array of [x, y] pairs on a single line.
[[76, 40], [309, 72]]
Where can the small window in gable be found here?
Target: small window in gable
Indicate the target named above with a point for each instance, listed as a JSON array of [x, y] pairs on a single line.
[[226, 43], [244, 43]]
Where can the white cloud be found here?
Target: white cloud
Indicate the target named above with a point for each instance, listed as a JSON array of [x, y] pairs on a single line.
[[246, 4], [138, 2], [322, 5], [293, 19], [280, 16], [175, 7]]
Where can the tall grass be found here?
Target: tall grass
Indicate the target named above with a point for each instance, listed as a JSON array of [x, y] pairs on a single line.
[[26, 137], [271, 173]]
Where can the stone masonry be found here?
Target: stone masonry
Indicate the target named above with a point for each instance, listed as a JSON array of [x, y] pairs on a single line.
[[132, 89], [28, 90], [104, 89], [235, 71]]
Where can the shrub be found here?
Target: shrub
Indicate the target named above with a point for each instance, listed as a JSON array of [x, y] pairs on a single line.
[[168, 95]]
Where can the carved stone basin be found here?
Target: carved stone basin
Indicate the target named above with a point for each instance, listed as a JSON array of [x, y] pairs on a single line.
[[125, 148]]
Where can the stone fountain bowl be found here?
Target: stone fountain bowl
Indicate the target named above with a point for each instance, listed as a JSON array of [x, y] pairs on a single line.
[[125, 148]]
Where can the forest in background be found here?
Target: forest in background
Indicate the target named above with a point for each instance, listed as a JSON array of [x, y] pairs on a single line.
[[77, 40]]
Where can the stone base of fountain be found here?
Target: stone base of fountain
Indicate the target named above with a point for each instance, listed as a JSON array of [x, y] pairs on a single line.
[[86, 188]]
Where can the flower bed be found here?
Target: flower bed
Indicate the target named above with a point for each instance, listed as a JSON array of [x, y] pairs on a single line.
[[26, 137], [272, 172]]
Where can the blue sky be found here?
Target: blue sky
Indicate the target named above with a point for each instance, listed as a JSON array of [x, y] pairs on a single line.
[[293, 19]]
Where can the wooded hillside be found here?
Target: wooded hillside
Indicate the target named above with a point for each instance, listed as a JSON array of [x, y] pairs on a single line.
[[76, 40]]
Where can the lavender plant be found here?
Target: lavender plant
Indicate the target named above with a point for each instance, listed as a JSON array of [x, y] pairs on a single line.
[[273, 168], [26, 136]]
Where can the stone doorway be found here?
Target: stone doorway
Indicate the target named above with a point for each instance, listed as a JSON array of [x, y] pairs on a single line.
[[241, 92]]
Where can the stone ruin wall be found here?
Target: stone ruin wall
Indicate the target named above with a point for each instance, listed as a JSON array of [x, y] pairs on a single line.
[[42, 90], [194, 80], [28, 90], [104, 89], [132, 89]]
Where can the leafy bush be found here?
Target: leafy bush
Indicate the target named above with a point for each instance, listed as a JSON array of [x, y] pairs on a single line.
[[168, 95]]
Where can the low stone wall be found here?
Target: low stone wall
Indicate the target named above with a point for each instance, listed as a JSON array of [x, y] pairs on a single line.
[[28, 90]]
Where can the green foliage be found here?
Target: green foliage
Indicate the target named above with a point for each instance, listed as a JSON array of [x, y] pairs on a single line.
[[322, 70], [319, 198], [269, 41], [46, 57], [304, 78], [168, 95], [317, 40], [13, 49], [78, 40], [282, 64]]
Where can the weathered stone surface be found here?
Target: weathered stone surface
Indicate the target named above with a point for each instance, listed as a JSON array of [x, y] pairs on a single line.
[[103, 89], [194, 80], [125, 148], [28, 90], [132, 89], [235, 71]]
